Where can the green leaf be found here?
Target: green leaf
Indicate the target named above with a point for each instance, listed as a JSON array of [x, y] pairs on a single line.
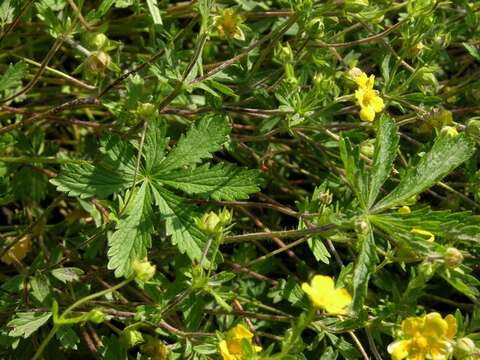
[[364, 266], [386, 146], [220, 182], [319, 250], [447, 153], [199, 143], [13, 76], [155, 143], [26, 323], [114, 173], [133, 235], [178, 215], [354, 169], [67, 274], [472, 50], [153, 8]]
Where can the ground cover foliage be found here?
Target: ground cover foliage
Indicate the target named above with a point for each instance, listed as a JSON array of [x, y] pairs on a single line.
[[239, 179]]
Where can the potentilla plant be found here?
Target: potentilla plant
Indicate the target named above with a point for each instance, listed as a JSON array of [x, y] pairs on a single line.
[[239, 180]]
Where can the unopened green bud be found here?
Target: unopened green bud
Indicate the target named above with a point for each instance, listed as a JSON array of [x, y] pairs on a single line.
[[325, 197], [284, 52], [212, 223], [99, 41], [453, 257], [361, 226], [146, 110], [143, 269], [131, 338], [98, 61], [473, 129], [466, 349], [367, 148], [96, 316]]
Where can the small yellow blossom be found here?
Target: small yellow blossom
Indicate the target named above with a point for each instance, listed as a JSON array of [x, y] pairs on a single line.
[[404, 210], [231, 348], [429, 335], [18, 251], [229, 24], [368, 99], [431, 236], [324, 295]]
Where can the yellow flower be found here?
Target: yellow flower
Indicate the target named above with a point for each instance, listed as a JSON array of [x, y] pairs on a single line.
[[431, 236], [426, 335], [229, 24], [324, 295], [18, 251], [231, 348], [368, 99], [450, 131]]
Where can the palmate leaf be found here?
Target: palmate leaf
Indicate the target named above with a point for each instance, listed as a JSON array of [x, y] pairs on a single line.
[[220, 182], [132, 238], [198, 144], [114, 172], [386, 146], [447, 153], [155, 143], [178, 216], [364, 267]]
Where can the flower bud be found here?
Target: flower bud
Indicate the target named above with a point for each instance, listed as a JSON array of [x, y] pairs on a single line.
[[131, 338], [211, 223], [143, 270], [98, 61], [146, 110], [98, 41], [96, 316], [361, 226], [325, 197], [473, 129], [453, 257], [465, 349], [367, 148], [404, 210]]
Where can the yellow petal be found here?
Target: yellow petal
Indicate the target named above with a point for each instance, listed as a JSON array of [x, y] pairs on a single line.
[[452, 326], [224, 352], [440, 350], [257, 348], [239, 332], [412, 325], [377, 103], [399, 349], [323, 284], [431, 236], [361, 79], [370, 82], [359, 95], [367, 113]]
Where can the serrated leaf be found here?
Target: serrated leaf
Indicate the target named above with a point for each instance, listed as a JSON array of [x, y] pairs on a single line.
[[364, 266], [386, 146], [354, 170], [155, 143], [446, 154], [178, 215], [319, 250], [220, 182], [67, 274], [86, 180], [13, 76], [114, 172], [26, 323], [198, 143], [133, 235]]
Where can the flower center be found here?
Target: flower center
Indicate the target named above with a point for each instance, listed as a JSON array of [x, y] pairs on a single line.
[[419, 342]]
